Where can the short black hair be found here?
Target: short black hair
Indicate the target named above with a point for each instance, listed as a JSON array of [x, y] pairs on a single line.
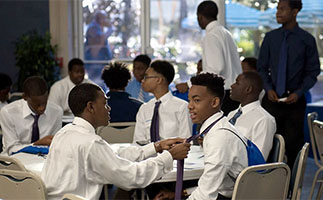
[[213, 82], [80, 95], [164, 68], [73, 62], [255, 80], [116, 75], [5, 81], [295, 4], [252, 62], [143, 58], [34, 86], [208, 9]]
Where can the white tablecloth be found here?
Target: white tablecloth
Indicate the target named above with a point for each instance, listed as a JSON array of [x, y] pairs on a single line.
[[193, 168]]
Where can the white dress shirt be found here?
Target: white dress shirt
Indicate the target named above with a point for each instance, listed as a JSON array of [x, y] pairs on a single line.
[[80, 162], [256, 124], [17, 121], [60, 90], [174, 120], [225, 156], [220, 54]]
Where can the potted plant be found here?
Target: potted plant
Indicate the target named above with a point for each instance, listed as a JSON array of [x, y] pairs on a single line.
[[35, 56]]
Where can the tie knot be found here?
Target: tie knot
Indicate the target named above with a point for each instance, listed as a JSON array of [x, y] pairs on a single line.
[[157, 103], [286, 33], [36, 117]]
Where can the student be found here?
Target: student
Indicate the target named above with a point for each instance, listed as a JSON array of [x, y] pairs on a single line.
[[172, 113], [81, 162], [140, 65], [289, 65], [249, 64], [254, 122], [31, 120], [225, 155], [5, 86], [60, 90], [123, 107], [219, 51]]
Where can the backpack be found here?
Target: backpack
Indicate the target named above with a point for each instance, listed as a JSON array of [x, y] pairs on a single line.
[[255, 156]]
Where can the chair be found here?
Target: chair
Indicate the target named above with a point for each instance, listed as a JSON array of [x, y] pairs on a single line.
[[316, 136], [11, 163], [118, 132], [21, 185], [267, 181], [277, 151], [73, 197], [298, 172]]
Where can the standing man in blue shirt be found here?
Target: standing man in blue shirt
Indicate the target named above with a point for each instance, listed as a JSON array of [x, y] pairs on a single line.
[[289, 65]]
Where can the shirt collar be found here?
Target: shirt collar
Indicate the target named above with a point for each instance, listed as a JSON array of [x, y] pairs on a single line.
[[293, 30], [83, 123], [210, 120], [165, 97], [249, 106], [212, 25], [26, 111]]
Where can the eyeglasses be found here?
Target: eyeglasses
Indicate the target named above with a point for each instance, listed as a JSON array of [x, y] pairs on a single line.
[[147, 77]]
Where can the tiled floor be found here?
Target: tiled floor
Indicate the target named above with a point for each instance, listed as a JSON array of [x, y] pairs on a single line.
[[308, 179]]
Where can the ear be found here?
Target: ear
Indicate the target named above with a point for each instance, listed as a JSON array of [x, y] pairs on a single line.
[[215, 102], [249, 89], [295, 12], [90, 107]]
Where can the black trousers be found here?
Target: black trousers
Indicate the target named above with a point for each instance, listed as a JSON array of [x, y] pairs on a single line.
[[228, 104], [290, 124]]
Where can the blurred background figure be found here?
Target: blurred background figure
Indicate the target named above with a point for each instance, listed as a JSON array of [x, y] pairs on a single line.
[[5, 86], [249, 64], [124, 108], [97, 34], [140, 65]]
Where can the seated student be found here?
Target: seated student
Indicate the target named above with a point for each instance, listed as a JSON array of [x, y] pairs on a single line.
[[5, 86], [165, 116], [255, 123], [80, 162], [60, 90], [249, 64], [123, 107], [140, 65], [31, 120], [225, 155]]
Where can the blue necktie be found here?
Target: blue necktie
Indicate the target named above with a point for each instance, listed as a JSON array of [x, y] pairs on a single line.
[[282, 65], [35, 130], [154, 127], [235, 117]]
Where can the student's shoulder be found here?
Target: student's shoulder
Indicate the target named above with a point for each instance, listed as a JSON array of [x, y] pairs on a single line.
[[178, 101], [13, 106], [52, 107]]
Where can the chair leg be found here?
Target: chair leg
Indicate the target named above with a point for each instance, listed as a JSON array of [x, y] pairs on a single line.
[[319, 194], [313, 184]]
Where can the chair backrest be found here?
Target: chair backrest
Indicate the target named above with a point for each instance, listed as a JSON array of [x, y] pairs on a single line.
[[267, 181], [277, 151], [318, 136], [73, 197], [11, 163], [21, 185], [298, 172], [118, 132]]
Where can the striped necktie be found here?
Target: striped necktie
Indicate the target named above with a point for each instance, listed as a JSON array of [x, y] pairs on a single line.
[[235, 117], [154, 127], [35, 129]]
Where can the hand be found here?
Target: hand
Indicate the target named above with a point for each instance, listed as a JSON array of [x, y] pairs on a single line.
[[169, 143], [272, 96], [182, 87], [180, 151], [165, 195], [200, 141], [47, 140], [292, 98]]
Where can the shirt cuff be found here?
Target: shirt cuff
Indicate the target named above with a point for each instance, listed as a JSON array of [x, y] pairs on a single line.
[[167, 158], [149, 150]]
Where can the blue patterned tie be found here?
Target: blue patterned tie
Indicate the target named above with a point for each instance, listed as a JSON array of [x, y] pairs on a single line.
[[235, 117], [282, 65], [154, 127], [35, 130]]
